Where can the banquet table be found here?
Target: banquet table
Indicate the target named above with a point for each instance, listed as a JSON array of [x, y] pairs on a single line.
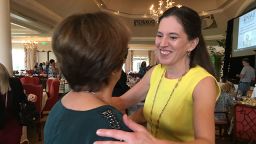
[[245, 123]]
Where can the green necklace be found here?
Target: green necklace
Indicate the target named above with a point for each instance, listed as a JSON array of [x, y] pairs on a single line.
[[160, 115]]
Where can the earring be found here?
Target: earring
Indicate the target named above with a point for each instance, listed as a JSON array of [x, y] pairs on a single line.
[[188, 53]]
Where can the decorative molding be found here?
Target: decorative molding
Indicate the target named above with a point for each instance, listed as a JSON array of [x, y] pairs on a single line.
[[214, 37], [225, 6], [243, 7], [208, 22], [33, 5], [149, 39], [141, 46], [220, 9], [29, 23], [28, 38]]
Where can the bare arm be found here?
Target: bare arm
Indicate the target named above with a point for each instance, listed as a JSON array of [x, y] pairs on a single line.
[[241, 75], [136, 94], [204, 102], [204, 97]]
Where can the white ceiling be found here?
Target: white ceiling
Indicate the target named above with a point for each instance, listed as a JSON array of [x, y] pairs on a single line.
[[21, 30], [36, 19]]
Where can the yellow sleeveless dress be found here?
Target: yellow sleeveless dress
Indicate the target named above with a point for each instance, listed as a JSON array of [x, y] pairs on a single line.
[[176, 122]]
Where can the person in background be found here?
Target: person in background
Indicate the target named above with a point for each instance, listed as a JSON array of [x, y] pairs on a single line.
[[180, 91], [143, 69], [121, 87], [47, 65], [52, 71], [226, 100], [41, 69], [43, 66], [91, 49], [247, 76], [11, 93], [36, 69]]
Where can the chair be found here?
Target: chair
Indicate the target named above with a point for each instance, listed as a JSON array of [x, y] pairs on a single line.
[[53, 94], [245, 123], [53, 97], [38, 91], [222, 124], [30, 80], [48, 84]]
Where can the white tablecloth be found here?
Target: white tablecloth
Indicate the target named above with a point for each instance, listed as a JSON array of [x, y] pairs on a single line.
[[254, 93]]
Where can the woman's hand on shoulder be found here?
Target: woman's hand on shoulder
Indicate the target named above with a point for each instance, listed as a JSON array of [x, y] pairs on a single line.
[[139, 135]]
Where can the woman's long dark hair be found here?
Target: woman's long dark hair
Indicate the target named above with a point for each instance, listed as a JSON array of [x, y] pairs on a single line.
[[191, 23]]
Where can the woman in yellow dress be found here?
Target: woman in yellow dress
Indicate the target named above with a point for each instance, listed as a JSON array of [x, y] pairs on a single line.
[[180, 92]]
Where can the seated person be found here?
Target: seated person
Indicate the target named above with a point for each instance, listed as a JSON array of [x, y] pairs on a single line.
[[11, 94], [52, 71], [143, 69], [226, 100], [90, 49], [121, 87]]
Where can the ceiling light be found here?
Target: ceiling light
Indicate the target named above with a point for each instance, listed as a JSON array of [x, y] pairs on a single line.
[[156, 13]]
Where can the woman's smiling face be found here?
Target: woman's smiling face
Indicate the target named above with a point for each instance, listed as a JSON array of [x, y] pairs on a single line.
[[171, 42]]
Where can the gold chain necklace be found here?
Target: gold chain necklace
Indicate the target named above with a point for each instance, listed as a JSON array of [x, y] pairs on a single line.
[[158, 120]]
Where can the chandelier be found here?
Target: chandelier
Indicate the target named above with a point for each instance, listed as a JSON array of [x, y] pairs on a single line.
[[30, 44], [156, 13]]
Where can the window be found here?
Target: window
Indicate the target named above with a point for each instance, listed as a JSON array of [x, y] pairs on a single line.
[[18, 59], [123, 67], [137, 62]]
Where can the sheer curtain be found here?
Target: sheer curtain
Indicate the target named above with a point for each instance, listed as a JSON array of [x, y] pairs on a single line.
[[30, 54]]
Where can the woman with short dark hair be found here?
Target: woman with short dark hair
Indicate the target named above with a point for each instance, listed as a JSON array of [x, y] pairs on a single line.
[[91, 49]]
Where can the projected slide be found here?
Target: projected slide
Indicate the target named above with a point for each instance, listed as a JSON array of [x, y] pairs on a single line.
[[247, 30]]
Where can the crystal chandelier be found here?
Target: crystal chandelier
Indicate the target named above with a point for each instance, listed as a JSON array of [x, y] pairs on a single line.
[[30, 44], [156, 13]]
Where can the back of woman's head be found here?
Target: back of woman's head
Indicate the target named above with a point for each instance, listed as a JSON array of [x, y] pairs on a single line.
[[228, 87], [191, 23], [89, 47], [4, 79]]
